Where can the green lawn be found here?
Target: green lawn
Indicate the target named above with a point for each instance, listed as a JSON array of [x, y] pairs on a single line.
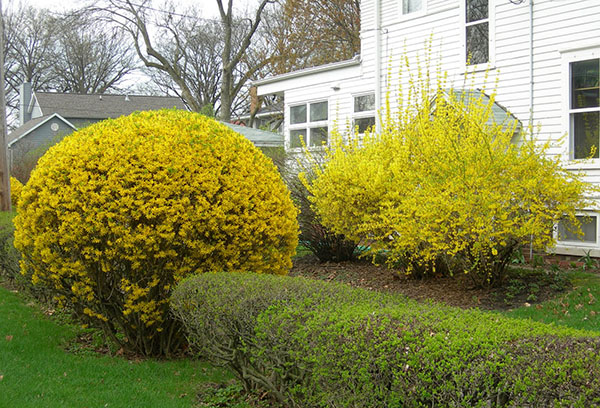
[[35, 371], [579, 308]]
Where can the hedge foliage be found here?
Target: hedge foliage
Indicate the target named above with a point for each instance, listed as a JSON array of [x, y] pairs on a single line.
[[317, 344], [117, 213], [445, 184]]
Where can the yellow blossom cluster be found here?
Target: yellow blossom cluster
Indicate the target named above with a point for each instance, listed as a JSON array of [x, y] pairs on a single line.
[[117, 213], [15, 191], [445, 185]]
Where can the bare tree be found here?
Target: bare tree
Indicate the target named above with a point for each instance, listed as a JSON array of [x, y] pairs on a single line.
[[306, 33], [67, 53], [230, 59], [196, 55], [93, 58], [29, 53], [234, 35]]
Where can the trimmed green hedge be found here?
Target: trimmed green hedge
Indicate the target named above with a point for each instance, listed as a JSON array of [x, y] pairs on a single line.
[[316, 344]]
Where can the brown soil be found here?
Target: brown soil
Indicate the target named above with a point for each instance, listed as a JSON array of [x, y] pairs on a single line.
[[520, 289]]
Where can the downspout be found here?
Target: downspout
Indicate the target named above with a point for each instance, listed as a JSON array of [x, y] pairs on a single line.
[[531, 93], [531, 63], [378, 65]]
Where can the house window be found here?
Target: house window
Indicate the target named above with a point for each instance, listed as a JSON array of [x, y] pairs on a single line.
[[584, 108], [589, 229], [308, 124], [477, 29], [411, 6], [364, 112]]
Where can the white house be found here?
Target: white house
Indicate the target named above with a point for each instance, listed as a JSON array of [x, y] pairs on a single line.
[[546, 54]]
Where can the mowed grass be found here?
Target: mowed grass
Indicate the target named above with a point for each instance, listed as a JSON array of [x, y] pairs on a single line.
[[35, 371], [579, 308]]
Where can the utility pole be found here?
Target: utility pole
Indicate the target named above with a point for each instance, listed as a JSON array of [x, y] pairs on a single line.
[[4, 173]]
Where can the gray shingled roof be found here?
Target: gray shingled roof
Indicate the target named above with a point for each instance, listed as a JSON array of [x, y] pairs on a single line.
[[101, 106], [260, 138]]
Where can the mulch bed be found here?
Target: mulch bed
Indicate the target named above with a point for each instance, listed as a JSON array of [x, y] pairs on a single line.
[[454, 291]]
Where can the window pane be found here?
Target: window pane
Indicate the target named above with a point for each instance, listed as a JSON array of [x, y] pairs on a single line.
[[410, 6], [364, 103], [477, 10], [364, 123], [318, 136], [585, 84], [478, 45], [586, 134], [298, 114], [588, 227], [318, 111], [296, 136]]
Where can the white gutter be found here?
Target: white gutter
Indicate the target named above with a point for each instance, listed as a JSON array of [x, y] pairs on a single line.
[[308, 71], [531, 92], [378, 65]]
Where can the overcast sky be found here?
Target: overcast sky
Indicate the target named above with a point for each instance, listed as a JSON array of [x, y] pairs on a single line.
[[208, 7]]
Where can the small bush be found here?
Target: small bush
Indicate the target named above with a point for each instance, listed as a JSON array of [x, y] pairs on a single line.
[[117, 213], [326, 245], [316, 344]]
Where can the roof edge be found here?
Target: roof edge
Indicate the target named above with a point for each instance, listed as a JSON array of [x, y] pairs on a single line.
[[309, 71], [9, 144]]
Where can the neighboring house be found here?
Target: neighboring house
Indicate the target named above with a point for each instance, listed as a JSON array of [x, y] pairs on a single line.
[[546, 54], [260, 138], [269, 118]]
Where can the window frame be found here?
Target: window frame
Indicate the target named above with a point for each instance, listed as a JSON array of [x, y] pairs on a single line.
[[363, 114], [569, 57], [418, 13], [573, 111], [578, 243], [491, 20], [308, 125]]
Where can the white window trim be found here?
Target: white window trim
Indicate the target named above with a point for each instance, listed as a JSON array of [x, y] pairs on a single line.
[[363, 114], [305, 125], [569, 57], [491, 20], [414, 14], [579, 248]]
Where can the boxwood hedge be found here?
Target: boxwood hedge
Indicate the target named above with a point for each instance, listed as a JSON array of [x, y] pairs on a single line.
[[317, 344]]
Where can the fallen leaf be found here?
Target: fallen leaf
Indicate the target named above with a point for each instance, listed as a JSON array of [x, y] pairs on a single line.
[[9, 338], [592, 313], [1, 377], [182, 395]]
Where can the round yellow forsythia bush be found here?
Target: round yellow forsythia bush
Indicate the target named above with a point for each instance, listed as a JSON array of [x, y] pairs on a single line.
[[119, 212], [15, 191]]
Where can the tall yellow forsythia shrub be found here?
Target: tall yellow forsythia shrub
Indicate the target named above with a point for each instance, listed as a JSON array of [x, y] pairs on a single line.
[[117, 213], [444, 185]]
